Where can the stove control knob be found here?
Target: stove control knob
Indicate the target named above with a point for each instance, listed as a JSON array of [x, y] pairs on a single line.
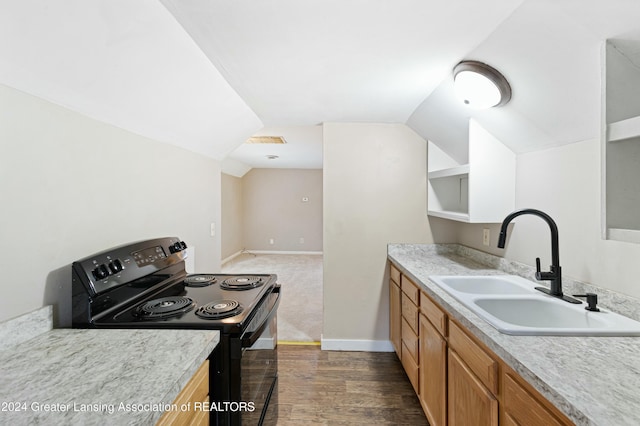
[[116, 266], [177, 247], [100, 272]]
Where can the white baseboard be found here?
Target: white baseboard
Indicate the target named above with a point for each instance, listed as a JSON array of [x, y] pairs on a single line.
[[233, 256], [281, 252], [356, 345]]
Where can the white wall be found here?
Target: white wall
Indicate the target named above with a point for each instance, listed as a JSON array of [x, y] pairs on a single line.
[[273, 209], [375, 194], [565, 183], [232, 211], [71, 186]]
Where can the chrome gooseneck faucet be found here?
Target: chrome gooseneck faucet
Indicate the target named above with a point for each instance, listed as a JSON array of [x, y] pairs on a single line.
[[555, 273]]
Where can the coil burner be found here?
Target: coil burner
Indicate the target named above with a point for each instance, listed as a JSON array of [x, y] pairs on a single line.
[[199, 280], [164, 307], [242, 283], [219, 309]]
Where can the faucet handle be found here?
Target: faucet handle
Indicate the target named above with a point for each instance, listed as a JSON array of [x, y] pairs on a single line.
[[538, 273], [545, 276]]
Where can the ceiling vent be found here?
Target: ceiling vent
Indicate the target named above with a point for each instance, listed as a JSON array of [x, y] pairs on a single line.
[[266, 140]]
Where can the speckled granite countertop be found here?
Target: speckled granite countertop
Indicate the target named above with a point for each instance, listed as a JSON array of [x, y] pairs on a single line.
[[98, 377], [593, 380]]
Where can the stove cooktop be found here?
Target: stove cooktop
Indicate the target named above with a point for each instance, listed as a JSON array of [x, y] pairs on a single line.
[[199, 301]]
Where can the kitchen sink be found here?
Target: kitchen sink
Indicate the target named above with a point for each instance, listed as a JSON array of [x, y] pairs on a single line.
[[512, 305], [491, 284]]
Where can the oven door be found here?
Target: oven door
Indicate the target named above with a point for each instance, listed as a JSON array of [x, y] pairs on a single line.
[[259, 381], [251, 368]]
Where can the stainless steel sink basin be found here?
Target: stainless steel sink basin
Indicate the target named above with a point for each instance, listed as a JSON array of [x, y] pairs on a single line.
[[512, 305]]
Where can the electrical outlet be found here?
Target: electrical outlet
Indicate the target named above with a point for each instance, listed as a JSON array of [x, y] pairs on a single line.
[[486, 236], [272, 241], [301, 240], [213, 229]]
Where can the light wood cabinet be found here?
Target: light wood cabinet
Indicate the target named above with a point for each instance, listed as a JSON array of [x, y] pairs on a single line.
[[197, 390], [522, 407], [395, 311], [409, 313], [410, 354], [483, 365], [410, 289], [472, 381], [433, 371], [411, 367], [470, 402], [458, 379], [433, 313]]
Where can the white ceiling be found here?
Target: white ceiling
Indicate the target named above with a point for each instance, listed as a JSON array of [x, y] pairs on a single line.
[[207, 74]]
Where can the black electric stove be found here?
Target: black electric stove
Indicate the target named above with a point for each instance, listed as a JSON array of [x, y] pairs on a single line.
[[145, 285], [190, 303]]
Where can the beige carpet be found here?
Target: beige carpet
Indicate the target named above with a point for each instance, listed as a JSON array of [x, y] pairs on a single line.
[[300, 275]]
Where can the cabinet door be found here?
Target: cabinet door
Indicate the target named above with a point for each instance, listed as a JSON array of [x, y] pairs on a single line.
[[395, 317], [196, 390], [433, 370], [522, 408], [470, 403]]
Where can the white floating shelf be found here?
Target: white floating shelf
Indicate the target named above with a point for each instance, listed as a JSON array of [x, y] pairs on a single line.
[[461, 217], [628, 235], [452, 171], [623, 129]]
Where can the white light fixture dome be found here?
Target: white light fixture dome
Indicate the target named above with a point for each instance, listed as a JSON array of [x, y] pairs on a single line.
[[480, 86]]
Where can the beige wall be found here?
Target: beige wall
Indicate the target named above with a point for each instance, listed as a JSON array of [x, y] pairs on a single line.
[[565, 183], [232, 213], [375, 194], [273, 209], [71, 186]]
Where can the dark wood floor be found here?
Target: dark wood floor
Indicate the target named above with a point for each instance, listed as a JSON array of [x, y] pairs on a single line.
[[344, 388]]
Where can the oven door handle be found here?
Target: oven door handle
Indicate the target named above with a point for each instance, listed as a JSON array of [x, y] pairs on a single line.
[[248, 339]]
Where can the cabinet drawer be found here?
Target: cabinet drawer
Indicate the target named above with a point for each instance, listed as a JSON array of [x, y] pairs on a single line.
[[411, 368], [523, 408], [394, 273], [482, 365], [410, 312], [410, 289], [433, 313], [410, 340]]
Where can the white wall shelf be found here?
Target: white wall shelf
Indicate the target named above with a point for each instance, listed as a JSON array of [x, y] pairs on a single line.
[[623, 129], [460, 217], [482, 191], [451, 171], [628, 235], [620, 142]]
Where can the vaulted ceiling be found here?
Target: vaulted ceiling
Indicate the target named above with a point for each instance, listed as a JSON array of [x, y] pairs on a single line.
[[207, 74]]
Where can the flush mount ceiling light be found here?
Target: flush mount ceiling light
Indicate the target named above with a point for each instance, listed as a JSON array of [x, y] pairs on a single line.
[[479, 85]]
